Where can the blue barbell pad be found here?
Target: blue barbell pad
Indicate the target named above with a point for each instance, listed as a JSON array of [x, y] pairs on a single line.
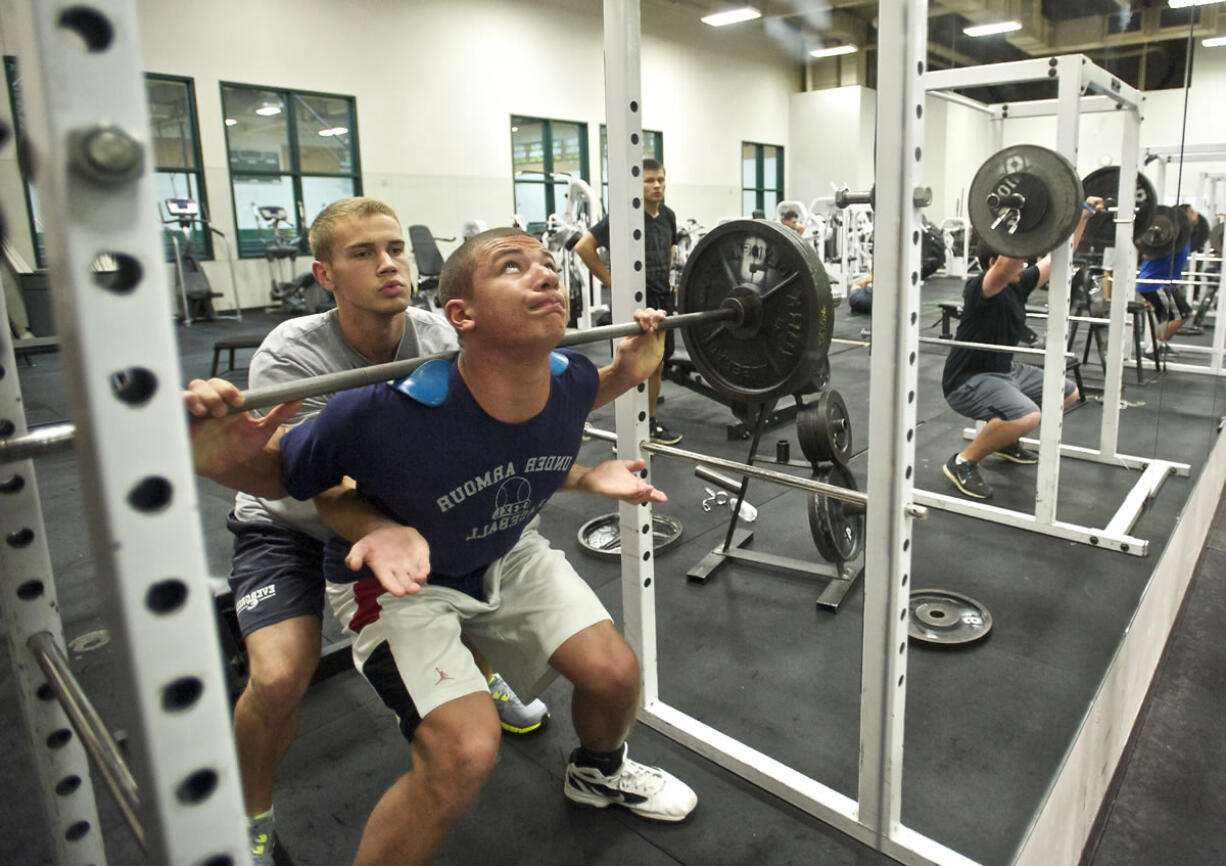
[[428, 383]]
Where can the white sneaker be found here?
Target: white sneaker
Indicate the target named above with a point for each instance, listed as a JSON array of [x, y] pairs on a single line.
[[646, 791]]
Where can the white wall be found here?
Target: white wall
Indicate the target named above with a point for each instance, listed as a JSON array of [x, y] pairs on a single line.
[[436, 83]]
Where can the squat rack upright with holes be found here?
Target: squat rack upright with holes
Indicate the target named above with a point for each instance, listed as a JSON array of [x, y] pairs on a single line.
[[88, 125]]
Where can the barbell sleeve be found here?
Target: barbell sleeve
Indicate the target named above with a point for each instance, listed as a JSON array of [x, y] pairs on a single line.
[[38, 442], [1013, 199], [330, 383]]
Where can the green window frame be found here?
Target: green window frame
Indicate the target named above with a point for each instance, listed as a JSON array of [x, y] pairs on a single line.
[[761, 177], [174, 131], [175, 148], [653, 148], [295, 149], [540, 148]]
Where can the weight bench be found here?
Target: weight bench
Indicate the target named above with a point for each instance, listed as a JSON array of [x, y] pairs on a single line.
[[232, 345]]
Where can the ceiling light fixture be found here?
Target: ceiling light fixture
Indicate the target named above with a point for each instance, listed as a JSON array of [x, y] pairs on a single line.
[[992, 29], [732, 16], [1214, 42], [230, 121], [268, 109], [1183, 4], [335, 130], [833, 51]]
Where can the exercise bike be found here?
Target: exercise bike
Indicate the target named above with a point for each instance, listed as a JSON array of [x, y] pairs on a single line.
[[191, 283], [289, 293]]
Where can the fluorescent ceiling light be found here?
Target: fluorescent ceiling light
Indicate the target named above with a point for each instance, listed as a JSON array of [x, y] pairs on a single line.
[[833, 51], [1214, 42], [268, 110], [230, 121], [992, 29], [335, 130], [732, 16], [1183, 4]]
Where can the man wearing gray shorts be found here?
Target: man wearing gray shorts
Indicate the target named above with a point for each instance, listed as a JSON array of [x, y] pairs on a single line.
[[988, 385]]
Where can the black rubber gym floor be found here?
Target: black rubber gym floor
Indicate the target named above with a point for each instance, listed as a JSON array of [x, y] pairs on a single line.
[[748, 652]]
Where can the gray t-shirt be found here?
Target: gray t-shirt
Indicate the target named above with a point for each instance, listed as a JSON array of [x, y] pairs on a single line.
[[311, 346]]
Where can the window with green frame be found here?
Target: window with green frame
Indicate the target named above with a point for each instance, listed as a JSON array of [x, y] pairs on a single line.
[[292, 149], [653, 148], [175, 146], [761, 177], [540, 149], [175, 140]]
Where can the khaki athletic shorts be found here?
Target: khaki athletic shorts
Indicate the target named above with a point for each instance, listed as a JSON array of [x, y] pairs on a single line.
[[409, 648]]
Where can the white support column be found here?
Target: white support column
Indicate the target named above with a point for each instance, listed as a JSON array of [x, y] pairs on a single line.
[[893, 384], [30, 607], [1069, 75], [624, 116], [1122, 285], [88, 120]]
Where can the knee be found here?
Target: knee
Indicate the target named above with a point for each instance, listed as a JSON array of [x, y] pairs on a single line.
[[614, 675], [1028, 422], [1072, 398], [277, 685], [457, 766]]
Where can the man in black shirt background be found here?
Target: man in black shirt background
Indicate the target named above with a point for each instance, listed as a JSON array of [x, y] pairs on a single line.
[[990, 386], [659, 238]]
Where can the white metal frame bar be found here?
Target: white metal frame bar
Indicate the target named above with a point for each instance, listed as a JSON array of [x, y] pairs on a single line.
[[1074, 75], [88, 121], [30, 608]]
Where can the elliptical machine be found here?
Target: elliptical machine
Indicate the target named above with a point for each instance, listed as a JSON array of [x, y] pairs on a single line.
[[289, 293], [191, 283]]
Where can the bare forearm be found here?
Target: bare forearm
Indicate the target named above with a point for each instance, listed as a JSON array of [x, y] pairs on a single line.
[[349, 514], [259, 476]]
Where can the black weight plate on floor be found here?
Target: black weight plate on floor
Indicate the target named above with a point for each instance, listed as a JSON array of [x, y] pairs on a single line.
[[1105, 183], [837, 526], [779, 348], [601, 536], [939, 616], [1053, 205]]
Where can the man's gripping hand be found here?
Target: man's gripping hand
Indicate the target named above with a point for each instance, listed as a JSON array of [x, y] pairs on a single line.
[[222, 443], [398, 556]]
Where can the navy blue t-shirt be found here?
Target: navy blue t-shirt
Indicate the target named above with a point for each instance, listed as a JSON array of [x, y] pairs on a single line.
[[466, 481], [1000, 320], [660, 236]]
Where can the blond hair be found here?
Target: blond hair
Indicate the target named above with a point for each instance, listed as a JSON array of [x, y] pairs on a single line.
[[323, 230]]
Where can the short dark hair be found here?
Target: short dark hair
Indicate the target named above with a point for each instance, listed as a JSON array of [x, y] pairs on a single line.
[[650, 164], [456, 279], [788, 213], [982, 251]]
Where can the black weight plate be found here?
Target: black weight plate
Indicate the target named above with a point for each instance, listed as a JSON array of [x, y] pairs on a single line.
[[837, 527], [815, 448], [939, 616], [834, 425], [778, 351], [1049, 217], [1168, 231], [601, 536], [1105, 183]]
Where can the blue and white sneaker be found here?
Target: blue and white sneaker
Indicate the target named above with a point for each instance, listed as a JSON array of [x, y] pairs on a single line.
[[648, 792]]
